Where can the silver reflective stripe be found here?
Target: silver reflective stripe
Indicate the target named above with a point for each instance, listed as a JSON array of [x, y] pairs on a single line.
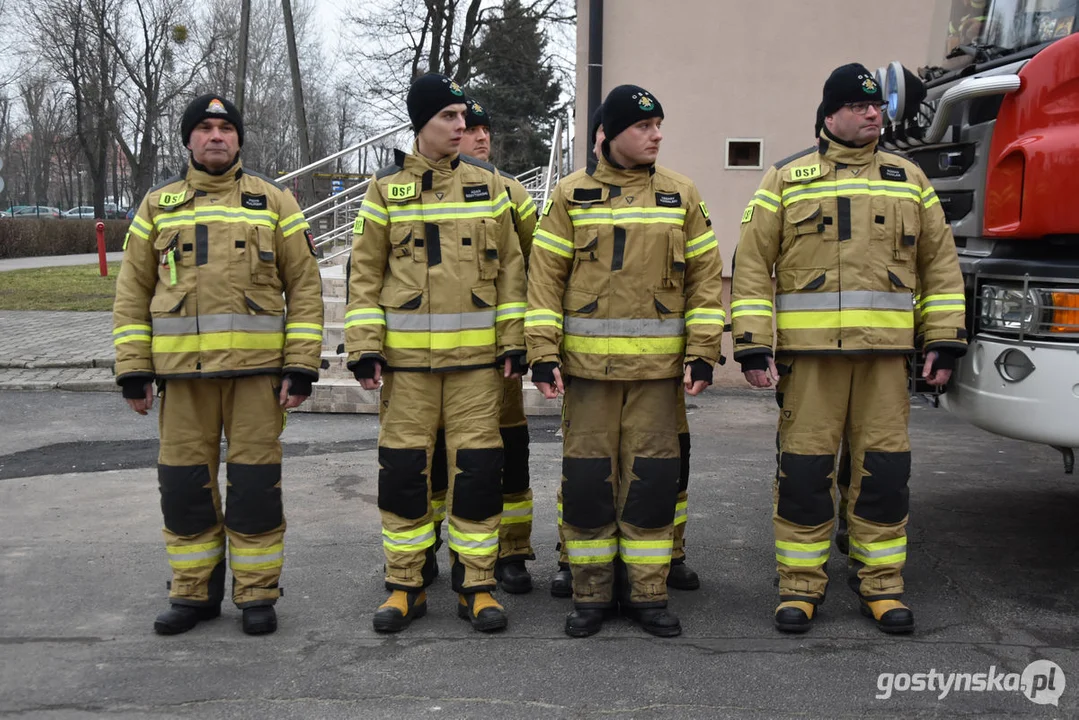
[[573, 552], [857, 549], [680, 514], [305, 331], [507, 312], [603, 214], [387, 540], [146, 333], [216, 552], [349, 317], [847, 299], [605, 327], [240, 560], [367, 208], [802, 554], [456, 542], [745, 308], [218, 323], [519, 512], [645, 552], [931, 303], [446, 321]]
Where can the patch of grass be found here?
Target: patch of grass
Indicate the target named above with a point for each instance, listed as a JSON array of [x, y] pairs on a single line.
[[78, 287]]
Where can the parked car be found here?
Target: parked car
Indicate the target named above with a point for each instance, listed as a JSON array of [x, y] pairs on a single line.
[[131, 212], [40, 211], [82, 211]]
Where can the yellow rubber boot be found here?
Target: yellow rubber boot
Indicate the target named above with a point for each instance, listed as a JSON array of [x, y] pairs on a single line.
[[892, 616], [794, 616], [483, 611], [400, 609]]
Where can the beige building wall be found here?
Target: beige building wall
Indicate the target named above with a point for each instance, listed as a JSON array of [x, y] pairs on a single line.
[[745, 69]]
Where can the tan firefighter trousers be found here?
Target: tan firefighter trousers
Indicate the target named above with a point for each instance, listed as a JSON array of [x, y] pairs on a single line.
[[192, 415], [820, 397], [620, 468], [411, 407]]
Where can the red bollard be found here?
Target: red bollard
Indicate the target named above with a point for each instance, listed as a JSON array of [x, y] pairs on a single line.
[[101, 249]]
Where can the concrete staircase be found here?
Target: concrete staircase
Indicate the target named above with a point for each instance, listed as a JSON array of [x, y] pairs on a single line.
[[337, 390]]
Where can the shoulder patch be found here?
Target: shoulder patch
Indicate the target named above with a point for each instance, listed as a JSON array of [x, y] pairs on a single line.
[[478, 163], [704, 209], [357, 227], [311, 242], [387, 171], [795, 156], [547, 206], [747, 215], [262, 177], [887, 172]]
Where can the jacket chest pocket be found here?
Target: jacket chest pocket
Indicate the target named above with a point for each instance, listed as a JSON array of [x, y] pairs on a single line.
[[674, 270], [262, 258], [485, 248], [806, 226], [171, 255], [407, 243], [897, 224]]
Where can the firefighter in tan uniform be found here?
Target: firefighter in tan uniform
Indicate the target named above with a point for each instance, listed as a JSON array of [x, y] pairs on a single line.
[[436, 299], [850, 231], [515, 531], [219, 299], [681, 576], [624, 303]]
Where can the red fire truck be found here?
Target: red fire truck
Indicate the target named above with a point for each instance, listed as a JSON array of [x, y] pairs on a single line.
[[996, 129]]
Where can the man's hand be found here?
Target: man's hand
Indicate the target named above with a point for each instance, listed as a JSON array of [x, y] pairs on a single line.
[[938, 378], [368, 372], [552, 390], [697, 377], [373, 383], [286, 401], [143, 404], [513, 368], [763, 378]]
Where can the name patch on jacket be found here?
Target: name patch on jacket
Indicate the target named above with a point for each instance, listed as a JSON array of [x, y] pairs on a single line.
[[475, 193], [172, 199], [668, 199], [253, 202], [587, 194], [893, 173]]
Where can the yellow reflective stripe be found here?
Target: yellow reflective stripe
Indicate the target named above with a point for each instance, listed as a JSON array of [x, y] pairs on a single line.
[[218, 341], [645, 552], [706, 316], [439, 340], [768, 195], [624, 346], [293, 223], [131, 333], [365, 316], [135, 228], [559, 506], [681, 512], [553, 243], [943, 296], [806, 547], [224, 214], [375, 213], [942, 303], [193, 556], [510, 311], [473, 543], [526, 208], [517, 513], [751, 301], [419, 538], [821, 319], [701, 244], [306, 331], [757, 202], [585, 552], [796, 554], [930, 203], [257, 558], [188, 549], [885, 552]]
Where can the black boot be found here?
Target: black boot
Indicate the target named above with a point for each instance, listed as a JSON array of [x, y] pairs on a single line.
[[794, 616], [682, 576], [181, 618], [660, 622], [562, 582], [583, 622], [892, 616], [260, 620], [514, 577]]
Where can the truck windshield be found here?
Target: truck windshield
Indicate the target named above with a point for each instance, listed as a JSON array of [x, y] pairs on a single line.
[[986, 29]]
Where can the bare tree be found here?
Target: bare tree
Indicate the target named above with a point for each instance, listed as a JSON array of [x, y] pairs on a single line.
[[43, 104]]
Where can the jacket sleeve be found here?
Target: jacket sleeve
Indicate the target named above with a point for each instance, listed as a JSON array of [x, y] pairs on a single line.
[[549, 269], [525, 216], [365, 320], [942, 307], [132, 326], [705, 316], [510, 283], [298, 269], [752, 292]]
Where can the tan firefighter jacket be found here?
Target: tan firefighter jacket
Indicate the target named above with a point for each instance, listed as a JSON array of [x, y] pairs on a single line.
[[437, 278], [626, 280], [851, 233], [218, 279], [524, 213]]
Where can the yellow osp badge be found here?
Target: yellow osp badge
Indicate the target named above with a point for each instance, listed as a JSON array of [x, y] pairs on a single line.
[[357, 227], [805, 172], [168, 200], [402, 192], [747, 215]]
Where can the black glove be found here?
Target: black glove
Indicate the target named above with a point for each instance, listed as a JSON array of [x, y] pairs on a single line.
[[364, 368], [946, 358], [757, 361], [543, 372], [299, 383], [133, 387], [700, 370], [518, 366]]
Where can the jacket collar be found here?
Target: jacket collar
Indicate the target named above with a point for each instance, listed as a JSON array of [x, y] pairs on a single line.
[[421, 164], [836, 151], [609, 172], [200, 178]]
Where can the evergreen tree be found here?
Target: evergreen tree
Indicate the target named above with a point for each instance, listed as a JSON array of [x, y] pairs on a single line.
[[517, 84]]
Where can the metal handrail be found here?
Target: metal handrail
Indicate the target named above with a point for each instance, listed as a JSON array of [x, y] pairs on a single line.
[[341, 153], [555, 157], [332, 235], [336, 198], [334, 208]]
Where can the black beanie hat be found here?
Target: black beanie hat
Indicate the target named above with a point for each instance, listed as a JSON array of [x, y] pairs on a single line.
[[593, 128], [208, 107], [849, 84], [477, 114], [820, 120], [626, 105], [428, 95]]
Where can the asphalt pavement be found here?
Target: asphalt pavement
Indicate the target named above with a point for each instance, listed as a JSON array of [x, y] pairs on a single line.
[[992, 576]]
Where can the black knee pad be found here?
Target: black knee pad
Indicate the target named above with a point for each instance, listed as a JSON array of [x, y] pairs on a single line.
[[402, 486], [652, 496], [515, 467], [805, 489], [587, 497], [477, 487], [683, 462], [842, 476], [253, 502], [186, 500], [884, 497], [440, 476]]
